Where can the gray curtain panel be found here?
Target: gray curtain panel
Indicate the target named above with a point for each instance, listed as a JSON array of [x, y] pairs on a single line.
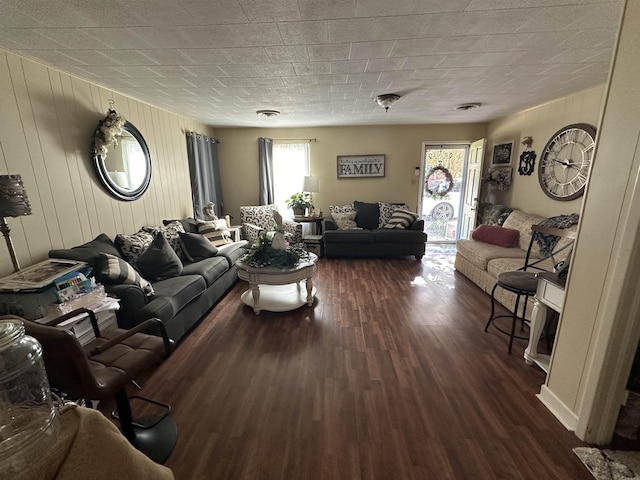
[[204, 170], [265, 161]]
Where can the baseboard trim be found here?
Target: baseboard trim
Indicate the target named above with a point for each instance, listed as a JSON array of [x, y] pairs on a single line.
[[558, 409]]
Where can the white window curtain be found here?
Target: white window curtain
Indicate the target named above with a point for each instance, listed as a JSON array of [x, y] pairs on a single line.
[[290, 165]]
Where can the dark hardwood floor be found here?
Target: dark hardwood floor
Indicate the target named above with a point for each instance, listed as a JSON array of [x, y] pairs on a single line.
[[388, 376]]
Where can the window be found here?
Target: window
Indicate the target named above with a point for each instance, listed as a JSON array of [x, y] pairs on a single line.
[[290, 166]]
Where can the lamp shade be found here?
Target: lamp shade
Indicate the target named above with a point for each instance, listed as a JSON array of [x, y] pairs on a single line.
[[13, 197], [310, 184]]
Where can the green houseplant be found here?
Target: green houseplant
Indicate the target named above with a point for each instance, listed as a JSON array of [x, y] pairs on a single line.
[[299, 202]]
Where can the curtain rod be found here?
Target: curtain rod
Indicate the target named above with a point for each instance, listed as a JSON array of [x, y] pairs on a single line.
[[297, 139], [191, 132]]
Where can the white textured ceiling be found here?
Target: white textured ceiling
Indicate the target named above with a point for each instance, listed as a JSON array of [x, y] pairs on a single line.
[[321, 62]]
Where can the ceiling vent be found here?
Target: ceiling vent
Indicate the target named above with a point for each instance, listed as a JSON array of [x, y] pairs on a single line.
[[268, 113], [467, 106]]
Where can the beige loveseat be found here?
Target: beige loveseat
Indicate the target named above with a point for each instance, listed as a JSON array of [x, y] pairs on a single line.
[[482, 262]]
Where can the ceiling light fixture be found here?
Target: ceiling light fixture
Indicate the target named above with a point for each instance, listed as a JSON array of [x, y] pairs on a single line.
[[268, 113], [386, 100], [467, 106]]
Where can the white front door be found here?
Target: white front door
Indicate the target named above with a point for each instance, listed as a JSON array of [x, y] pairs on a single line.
[[472, 188]]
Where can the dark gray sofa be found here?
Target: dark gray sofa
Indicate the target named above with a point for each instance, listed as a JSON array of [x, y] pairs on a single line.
[[372, 242], [179, 302]]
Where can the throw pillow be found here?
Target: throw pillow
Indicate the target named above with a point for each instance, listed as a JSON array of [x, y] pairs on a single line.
[[171, 232], [197, 247], [367, 215], [114, 270], [503, 237], [132, 246], [88, 252], [341, 209], [189, 224], [387, 209], [216, 232], [345, 221], [159, 261], [401, 219]]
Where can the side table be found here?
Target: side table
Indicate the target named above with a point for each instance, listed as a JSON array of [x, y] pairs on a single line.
[[316, 221], [550, 294], [314, 244]]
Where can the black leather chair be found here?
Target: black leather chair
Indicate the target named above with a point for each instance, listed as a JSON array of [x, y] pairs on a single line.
[[524, 282], [103, 368]]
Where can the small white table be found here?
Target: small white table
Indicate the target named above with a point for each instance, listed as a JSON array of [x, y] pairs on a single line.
[[549, 294], [279, 289]]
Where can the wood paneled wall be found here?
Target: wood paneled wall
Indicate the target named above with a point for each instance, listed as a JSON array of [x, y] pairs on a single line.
[[47, 119]]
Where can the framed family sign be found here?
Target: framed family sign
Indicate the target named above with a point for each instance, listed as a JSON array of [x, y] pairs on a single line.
[[358, 166], [502, 153]]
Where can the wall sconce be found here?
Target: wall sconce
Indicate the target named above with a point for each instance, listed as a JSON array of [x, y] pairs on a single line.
[[13, 203]]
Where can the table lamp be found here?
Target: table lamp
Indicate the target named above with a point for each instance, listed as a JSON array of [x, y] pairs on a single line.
[[13, 203], [310, 185]]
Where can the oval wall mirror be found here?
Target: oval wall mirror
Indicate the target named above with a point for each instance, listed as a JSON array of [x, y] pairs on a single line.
[[125, 171]]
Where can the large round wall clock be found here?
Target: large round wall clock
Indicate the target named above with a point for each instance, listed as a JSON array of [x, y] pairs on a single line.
[[566, 160]]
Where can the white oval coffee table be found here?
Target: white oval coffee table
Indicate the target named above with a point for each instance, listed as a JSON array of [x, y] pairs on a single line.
[[279, 289]]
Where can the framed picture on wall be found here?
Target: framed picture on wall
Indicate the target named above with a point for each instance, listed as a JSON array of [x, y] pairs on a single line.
[[502, 154], [358, 166]]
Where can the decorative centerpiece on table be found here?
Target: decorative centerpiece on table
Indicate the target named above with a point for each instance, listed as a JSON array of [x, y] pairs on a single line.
[[272, 250]]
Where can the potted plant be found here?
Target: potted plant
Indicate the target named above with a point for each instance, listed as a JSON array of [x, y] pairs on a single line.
[[299, 202]]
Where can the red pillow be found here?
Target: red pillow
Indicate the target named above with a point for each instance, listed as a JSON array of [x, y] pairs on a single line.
[[503, 237]]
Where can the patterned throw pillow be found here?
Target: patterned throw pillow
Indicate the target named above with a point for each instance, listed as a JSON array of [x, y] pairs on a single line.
[[401, 219], [341, 209], [132, 246], [171, 232], [346, 221], [386, 210], [216, 232], [115, 271]]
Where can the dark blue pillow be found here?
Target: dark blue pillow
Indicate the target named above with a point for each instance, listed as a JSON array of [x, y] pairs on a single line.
[[367, 215], [159, 261], [197, 247]]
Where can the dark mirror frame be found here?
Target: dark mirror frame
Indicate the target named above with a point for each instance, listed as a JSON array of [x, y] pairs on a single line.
[[103, 175]]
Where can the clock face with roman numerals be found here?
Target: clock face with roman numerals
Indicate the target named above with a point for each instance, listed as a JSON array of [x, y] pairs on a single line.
[[566, 160]]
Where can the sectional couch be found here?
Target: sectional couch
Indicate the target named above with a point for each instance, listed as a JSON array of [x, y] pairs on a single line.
[[366, 229], [182, 294]]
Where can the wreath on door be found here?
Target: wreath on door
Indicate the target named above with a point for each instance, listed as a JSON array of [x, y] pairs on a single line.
[[436, 187]]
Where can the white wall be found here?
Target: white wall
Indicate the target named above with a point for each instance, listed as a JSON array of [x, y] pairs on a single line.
[[600, 324], [47, 119]]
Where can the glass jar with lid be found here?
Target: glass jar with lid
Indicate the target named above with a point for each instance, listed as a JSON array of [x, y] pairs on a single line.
[[28, 416]]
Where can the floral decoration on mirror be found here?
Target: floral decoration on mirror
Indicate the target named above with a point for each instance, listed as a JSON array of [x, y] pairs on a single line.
[[107, 132]]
